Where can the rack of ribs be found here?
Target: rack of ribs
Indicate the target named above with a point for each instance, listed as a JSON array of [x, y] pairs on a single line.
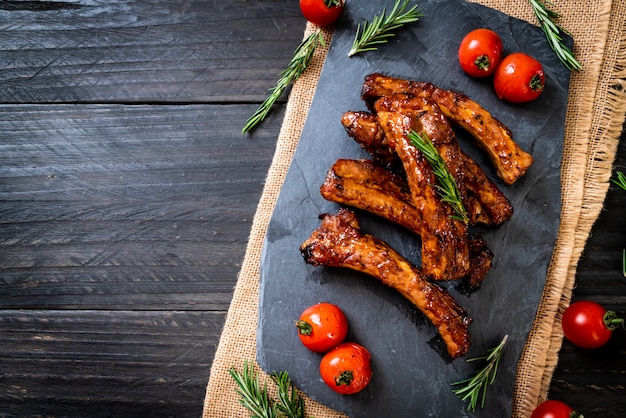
[[484, 201], [399, 185]]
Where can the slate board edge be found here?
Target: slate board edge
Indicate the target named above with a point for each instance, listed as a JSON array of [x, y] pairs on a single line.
[[260, 355]]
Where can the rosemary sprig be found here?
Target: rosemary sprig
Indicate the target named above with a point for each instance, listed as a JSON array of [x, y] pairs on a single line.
[[547, 20], [299, 62], [257, 400], [253, 397], [289, 402], [369, 35], [476, 387], [447, 189], [621, 182]]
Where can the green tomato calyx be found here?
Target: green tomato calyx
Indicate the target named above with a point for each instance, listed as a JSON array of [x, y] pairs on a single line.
[[482, 62], [535, 83], [611, 320], [304, 327], [345, 378]]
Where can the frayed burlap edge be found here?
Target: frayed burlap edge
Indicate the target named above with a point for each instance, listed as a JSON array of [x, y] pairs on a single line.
[[595, 117]]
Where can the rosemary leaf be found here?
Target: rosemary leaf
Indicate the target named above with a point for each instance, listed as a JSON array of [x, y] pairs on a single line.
[[254, 398], [447, 189], [299, 62], [289, 402], [475, 388], [621, 180], [257, 400], [546, 18], [379, 30]]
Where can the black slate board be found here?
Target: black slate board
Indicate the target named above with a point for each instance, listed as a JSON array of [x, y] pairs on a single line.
[[412, 373]]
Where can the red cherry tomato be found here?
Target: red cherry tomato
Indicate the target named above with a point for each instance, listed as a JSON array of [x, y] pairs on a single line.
[[322, 327], [519, 78], [346, 369], [480, 52], [321, 12], [588, 325], [554, 409]]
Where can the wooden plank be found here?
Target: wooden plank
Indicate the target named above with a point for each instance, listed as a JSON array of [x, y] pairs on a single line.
[[127, 207], [145, 51], [106, 363], [122, 228]]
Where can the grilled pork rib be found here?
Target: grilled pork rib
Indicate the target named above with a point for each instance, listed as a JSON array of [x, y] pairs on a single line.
[[339, 242], [510, 161], [365, 185], [445, 253], [363, 127], [484, 201]]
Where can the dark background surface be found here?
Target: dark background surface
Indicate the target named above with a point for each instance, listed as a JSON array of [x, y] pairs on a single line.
[[127, 194]]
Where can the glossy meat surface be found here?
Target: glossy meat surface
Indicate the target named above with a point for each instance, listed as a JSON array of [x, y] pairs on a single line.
[[445, 254], [484, 201], [368, 186], [365, 185], [339, 242], [363, 127], [510, 161]]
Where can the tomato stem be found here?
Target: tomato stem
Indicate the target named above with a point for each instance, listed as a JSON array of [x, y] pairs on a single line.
[[535, 83], [611, 320], [482, 62], [304, 327], [345, 378], [333, 3]]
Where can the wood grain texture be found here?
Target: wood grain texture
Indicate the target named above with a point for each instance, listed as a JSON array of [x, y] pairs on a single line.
[[145, 50], [104, 364], [127, 193], [122, 232], [126, 207]]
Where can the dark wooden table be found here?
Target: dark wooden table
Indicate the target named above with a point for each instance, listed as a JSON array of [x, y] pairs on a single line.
[[127, 193]]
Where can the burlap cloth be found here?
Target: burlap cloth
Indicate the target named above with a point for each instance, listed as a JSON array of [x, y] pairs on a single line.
[[595, 116]]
